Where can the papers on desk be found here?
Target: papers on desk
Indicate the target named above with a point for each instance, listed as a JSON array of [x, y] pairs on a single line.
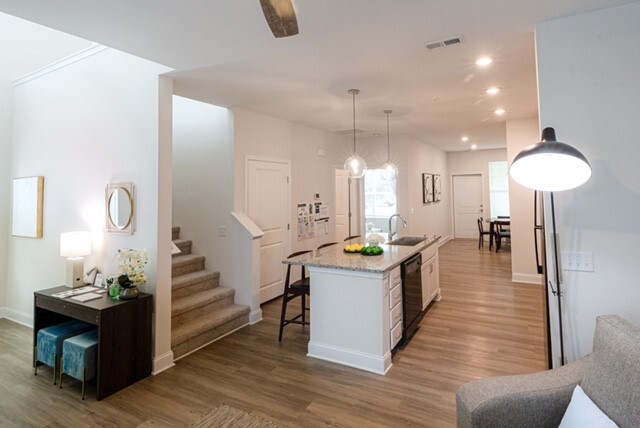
[[85, 297], [77, 291]]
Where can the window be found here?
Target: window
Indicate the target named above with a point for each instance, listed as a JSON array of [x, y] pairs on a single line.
[[379, 194], [499, 188]]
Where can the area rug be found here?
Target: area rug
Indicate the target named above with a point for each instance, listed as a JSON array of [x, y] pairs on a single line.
[[224, 416]]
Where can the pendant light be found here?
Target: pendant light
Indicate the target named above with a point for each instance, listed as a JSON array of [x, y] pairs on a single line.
[[389, 169], [355, 165], [550, 165]]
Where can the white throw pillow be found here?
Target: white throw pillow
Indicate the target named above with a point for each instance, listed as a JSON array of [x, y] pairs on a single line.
[[583, 413]]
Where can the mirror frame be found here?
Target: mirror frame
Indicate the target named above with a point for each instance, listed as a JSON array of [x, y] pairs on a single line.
[[111, 189]]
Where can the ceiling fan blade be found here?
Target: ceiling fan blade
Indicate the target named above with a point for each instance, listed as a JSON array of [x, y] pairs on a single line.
[[281, 17]]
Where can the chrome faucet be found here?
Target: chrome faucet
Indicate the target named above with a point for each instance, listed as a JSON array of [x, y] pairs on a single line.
[[391, 232]]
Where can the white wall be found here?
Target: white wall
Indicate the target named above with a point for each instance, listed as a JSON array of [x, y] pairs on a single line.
[[203, 181], [266, 136], [589, 92], [476, 162], [82, 126], [6, 119], [520, 134]]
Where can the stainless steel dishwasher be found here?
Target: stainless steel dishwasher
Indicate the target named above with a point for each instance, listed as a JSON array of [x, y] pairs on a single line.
[[411, 297]]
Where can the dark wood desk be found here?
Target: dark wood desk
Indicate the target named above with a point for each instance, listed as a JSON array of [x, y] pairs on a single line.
[[124, 333]]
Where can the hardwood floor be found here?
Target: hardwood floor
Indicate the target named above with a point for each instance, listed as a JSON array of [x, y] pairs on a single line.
[[485, 325]]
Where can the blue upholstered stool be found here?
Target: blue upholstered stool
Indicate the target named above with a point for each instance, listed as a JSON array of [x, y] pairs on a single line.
[[49, 343], [79, 357]]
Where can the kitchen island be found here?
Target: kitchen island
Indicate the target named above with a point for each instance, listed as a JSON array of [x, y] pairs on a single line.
[[356, 302]]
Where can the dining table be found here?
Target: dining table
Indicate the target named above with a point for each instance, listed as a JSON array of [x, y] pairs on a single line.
[[502, 221]]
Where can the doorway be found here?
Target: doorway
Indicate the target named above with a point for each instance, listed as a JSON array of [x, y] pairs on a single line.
[[347, 204], [268, 196], [467, 205]]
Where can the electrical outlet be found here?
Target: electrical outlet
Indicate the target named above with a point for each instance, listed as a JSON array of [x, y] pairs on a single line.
[[577, 261], [222, 230]]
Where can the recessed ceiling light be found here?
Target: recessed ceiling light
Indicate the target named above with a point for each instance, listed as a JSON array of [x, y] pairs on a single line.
[[474, 146], [493, 90], [499, 111], [464, 138], [483, 61]]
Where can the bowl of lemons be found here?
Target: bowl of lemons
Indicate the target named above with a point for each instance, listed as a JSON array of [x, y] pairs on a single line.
[[354, 248]]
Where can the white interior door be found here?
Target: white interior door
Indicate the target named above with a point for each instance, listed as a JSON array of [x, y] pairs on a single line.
[[467, 205], [267, 204], [342, 204], [349, 199]]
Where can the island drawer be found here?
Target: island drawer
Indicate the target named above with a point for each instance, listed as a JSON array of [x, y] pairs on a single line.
[[395, 277], [396, 335], [429, 252], [395, 296], [396, 315]]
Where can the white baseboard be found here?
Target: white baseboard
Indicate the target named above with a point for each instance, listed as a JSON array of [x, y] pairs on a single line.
[[527, 278], [162, 363], [444, 240], [351, 358], [16, 316], [255, 316]]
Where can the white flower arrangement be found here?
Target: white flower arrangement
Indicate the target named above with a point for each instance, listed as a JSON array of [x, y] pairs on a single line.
[[132, 264], [375, 239]]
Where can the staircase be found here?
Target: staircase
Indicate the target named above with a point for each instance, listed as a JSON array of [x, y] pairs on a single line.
[[201, 310]]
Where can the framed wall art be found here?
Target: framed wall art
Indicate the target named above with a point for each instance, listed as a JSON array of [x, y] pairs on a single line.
[[28, 199], [437, 187], [427, 188]]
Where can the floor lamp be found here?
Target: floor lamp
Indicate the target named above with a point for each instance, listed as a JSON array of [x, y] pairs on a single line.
[[551, 166]]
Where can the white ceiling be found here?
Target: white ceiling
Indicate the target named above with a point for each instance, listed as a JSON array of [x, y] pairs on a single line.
[[224, 53]]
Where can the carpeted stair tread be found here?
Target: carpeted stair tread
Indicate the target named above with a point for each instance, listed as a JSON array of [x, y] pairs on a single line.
[[175, 232], [199, 299], [184, 245], [208, 336], [203, 324], [187, 263], [193, 277]]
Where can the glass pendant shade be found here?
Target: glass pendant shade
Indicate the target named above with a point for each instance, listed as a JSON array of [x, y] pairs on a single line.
[[550, 165], [389, 169], [355, 165]]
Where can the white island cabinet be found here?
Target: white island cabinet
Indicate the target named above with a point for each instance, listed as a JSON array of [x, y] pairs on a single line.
[[356, 304]]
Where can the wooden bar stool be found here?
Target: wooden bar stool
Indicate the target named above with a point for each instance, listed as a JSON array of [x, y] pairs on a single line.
[[79, 358], [299, 288], [49, 340]]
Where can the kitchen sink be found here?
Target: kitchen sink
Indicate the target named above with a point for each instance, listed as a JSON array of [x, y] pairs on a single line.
[[409, 241]]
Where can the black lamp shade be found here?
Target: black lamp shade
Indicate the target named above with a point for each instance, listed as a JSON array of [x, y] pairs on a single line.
[[550, 165]]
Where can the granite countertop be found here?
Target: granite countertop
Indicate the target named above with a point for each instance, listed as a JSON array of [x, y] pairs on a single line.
[[334, 257]]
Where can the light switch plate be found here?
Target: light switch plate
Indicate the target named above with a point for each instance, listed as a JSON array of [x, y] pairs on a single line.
[[222, 230], [581, 261]]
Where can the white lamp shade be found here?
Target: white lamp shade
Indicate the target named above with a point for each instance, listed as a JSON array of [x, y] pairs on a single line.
[[389, 171], [75, 244], [356, 166]]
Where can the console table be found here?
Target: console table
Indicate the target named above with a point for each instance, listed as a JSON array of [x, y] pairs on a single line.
[[124, 333]]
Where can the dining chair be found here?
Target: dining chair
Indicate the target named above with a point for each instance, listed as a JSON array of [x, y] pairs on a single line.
[[300, 288], [500, 234], [328, 244], [482, 233]]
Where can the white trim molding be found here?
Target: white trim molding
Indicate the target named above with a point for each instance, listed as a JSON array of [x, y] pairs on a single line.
[[73, 58], [162, 363], [18, 317], [527, 278]]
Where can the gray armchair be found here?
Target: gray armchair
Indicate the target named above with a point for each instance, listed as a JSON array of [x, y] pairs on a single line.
[[610, 376]]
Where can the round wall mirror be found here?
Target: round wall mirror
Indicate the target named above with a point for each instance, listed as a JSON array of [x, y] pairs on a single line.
[[120, 208]]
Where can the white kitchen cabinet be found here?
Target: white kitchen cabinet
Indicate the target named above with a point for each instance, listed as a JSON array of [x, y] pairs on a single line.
[[430, 272], [395, 305]]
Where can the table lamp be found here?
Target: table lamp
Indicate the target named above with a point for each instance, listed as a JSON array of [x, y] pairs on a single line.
[[74, 246]]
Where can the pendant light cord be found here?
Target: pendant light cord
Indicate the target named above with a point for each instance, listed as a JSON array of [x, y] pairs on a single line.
[[388, 144], [354, 121]]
